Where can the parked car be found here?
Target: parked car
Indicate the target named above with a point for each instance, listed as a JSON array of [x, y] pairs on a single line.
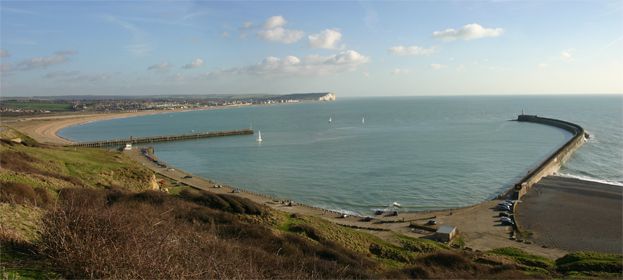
[[432, 222], [507, 221], [504, 208]]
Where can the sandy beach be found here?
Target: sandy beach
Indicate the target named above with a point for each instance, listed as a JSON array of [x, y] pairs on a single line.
[[44, 128], [574, 214]]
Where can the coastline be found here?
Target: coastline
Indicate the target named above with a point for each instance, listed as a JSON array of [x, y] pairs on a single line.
[[479, 224], [45, 129]]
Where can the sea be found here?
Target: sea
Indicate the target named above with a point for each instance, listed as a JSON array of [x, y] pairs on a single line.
[[356, 155]]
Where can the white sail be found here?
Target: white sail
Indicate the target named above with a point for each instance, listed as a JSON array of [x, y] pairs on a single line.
[[363, 120], [259, 136], [330, 120]]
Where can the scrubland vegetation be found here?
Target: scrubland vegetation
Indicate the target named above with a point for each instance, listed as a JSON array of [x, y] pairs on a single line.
[[87, 213]]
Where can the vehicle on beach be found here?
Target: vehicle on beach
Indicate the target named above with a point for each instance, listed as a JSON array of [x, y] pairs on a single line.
[[507, 221], [505, 214], [431, 222], [187, 177], [504, 208]]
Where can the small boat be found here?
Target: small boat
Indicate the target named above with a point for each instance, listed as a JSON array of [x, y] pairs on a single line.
[[396, 204], [259, 136], [363, 120], [330, 120]]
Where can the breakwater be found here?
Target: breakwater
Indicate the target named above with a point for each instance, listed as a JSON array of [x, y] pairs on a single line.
[[165, 138], [552, 164]]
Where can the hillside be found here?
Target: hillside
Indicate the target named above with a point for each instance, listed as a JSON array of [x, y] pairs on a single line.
[[90, 213]]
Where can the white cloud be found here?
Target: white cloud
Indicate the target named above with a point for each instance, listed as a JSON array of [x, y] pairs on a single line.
[[291, 65], [436, 66], [411, 50], [274, 31], [164, 66], [197, 62], [327, 39], [567, 55], [225, 34], [4, 53], [243, 31], [399, 71], [274, 22], [44, 61], [468, 32]]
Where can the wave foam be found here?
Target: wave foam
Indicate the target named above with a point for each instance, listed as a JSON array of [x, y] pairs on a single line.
[[587, 178]]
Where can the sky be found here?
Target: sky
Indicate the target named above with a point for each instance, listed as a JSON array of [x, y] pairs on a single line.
[[352, 48]]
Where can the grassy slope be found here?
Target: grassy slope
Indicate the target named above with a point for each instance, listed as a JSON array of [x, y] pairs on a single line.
[[57, 168], [52, 169]]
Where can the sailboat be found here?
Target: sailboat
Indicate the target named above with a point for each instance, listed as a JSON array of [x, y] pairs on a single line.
[[363, 120], [259, 136], [330, 120]]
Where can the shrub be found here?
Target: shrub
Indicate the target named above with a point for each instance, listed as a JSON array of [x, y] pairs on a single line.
[[524, 258], [12, 192], [307, 230], [391, 253], [112, 234], [590, 262], [224, 202]]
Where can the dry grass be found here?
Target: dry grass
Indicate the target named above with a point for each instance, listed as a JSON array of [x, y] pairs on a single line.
[[111, 234]]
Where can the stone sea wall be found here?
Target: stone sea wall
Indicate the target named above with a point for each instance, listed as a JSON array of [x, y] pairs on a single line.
[[552, 164]]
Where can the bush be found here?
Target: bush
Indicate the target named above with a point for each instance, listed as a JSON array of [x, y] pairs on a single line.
[[307, 230], [224, 202], [18, 193], [524, 258], [421, 245], [590, 262], [391, 253], [112, 234]]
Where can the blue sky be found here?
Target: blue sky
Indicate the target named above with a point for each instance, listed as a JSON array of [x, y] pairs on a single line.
[[368, 48]]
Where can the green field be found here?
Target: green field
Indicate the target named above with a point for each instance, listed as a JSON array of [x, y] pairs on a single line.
[[37, 105]]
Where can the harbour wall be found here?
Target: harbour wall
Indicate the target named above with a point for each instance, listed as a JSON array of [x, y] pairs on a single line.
[[553, 163], [153, 139]]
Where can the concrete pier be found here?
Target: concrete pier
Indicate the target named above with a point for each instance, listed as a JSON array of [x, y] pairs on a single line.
[[153, 139], [552, 164]]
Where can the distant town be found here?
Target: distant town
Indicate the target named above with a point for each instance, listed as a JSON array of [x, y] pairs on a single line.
[[57, 104]]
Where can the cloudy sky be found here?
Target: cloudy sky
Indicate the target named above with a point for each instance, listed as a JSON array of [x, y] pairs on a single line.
[[352, 48]]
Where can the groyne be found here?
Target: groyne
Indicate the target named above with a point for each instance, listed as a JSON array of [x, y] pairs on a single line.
[[552, 164], [165, 138]]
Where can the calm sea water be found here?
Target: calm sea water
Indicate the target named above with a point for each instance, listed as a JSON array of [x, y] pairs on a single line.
[[423, 152]]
